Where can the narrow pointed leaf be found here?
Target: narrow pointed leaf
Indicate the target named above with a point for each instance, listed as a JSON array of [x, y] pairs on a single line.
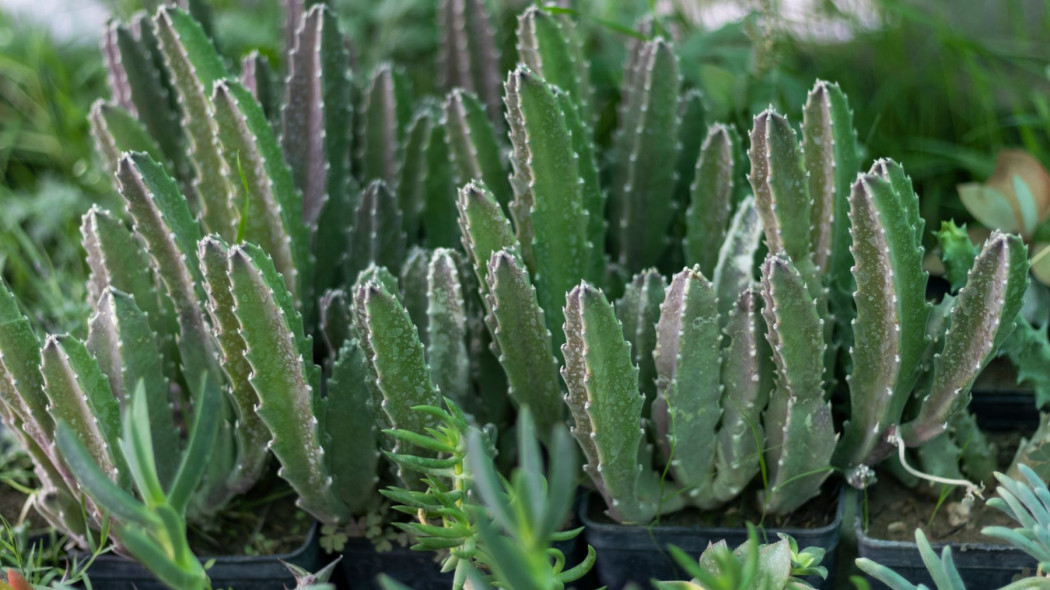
[[252, 435], [107, 494], [285, 380], [120, 338], [195, 66], [524, 341], [273, 215]]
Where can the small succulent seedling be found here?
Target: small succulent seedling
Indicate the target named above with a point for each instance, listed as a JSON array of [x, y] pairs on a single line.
[[772, 566], [485, 523]]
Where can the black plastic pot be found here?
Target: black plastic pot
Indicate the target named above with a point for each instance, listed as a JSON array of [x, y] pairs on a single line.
[[1004, 410], [416, 569], [628, 553], [981, 565], [250, 572], [361, 565]]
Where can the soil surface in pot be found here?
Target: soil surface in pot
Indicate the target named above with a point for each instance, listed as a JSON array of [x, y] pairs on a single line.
[[12, 502], [816, 513], [999, 375], [266, 522], [894, 511]]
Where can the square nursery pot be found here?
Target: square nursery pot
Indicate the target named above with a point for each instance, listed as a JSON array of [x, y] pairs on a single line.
[[632, 553], [247, 572], [981, 565], [361, 564], [1001, 408]]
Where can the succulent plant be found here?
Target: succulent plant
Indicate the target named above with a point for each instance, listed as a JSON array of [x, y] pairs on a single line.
[[152, 527], [469, 57], [772, 566], [216, 289], [481, 522], [1014, 199], [284, 165], [715, 404], [897, 358], [239, 255]]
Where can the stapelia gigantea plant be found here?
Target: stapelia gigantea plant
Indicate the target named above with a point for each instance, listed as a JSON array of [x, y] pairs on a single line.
[[322, 425], [910, 366], [715, 403], [172, 301]]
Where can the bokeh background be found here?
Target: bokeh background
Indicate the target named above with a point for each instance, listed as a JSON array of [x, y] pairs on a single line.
[[940, 85]]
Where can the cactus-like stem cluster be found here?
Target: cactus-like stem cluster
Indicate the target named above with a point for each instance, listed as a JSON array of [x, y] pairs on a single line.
[[262, 214], [607, 406], [733, 383], [643, 195]]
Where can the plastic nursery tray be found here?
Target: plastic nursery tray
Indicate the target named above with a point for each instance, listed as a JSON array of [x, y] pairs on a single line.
[[631, 553], [252, 572]]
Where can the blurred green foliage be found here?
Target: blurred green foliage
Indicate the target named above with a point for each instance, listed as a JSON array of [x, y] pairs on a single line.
[[941, 86], [48, 175], [46, 89]]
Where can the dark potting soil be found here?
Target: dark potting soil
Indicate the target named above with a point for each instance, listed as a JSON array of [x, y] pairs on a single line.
[[261, 524], [999, 375], [816, 513], [894, 511], [12, 503]]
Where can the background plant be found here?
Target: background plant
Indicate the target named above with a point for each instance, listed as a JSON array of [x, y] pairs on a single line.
[[750, 565]]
